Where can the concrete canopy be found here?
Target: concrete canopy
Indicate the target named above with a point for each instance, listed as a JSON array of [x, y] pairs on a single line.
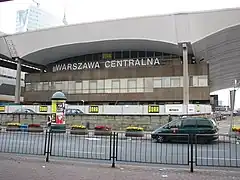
[[213, 35]]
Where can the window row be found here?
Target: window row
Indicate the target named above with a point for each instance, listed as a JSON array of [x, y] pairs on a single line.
[[117, 85], [125, 55]]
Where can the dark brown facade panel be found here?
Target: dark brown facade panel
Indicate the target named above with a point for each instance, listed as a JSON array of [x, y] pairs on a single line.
[[117, 73], [199, 93], [163, 94]]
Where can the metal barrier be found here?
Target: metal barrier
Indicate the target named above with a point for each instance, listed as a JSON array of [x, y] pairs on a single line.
[[196, 150], [80, 146], [23, 142], [224, 152], [143, 150]]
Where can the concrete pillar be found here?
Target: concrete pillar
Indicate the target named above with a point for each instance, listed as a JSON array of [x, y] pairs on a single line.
[[232, 104], [18, 82], [185, 79]]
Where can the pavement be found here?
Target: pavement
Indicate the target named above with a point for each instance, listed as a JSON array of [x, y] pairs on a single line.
[[129, 149], [14, 167]]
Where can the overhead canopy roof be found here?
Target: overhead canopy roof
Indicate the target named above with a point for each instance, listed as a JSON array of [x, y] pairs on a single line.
[[213, 35]]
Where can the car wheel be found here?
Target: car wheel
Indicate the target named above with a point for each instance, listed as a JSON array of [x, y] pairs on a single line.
[[160, 139]]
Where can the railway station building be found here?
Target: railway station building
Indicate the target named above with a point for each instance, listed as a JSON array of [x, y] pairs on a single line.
[[167, 59]]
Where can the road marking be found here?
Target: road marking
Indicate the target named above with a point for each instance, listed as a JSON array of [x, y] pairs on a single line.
[[85, 152], [222, 159], [210, 151], [93, 139]]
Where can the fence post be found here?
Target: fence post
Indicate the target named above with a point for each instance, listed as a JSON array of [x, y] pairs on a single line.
[[191, 155], [114, 150], [48, 145]]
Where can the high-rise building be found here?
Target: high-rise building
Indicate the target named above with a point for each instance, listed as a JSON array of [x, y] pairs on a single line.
[[7, 84], [34, 18]]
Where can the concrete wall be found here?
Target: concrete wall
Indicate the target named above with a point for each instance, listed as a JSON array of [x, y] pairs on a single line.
[[174, 109]]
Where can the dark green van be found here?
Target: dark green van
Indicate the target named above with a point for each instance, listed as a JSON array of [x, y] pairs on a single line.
[[178, 130]]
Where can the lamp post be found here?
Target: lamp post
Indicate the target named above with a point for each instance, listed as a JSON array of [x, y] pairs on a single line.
[[232, 103], [83, 102]]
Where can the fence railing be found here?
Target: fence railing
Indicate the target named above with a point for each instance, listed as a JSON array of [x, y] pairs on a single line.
[[115, 147]]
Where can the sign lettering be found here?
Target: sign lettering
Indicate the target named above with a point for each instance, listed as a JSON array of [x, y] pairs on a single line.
[[93, 109], [76, 66], [153, 109], [43, 109], [2, 108]]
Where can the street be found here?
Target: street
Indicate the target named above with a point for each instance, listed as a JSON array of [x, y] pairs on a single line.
[[129, 150]]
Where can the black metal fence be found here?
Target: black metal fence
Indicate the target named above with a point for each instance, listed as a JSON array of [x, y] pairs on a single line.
[[23, 142], [224, 152]]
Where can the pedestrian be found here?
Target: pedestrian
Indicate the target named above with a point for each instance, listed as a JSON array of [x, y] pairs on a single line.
[[49, 121], [169, 118], [87, 125]]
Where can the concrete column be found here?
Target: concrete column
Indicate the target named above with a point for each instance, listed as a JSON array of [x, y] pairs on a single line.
[[232, 104], [185, 79], [18, 82]]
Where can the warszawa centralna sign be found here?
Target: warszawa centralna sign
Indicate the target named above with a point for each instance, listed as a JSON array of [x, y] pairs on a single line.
[[78, 66]]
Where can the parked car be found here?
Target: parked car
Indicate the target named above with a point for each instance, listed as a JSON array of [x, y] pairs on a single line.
[[184, 127], [24, 110], [73, 112]]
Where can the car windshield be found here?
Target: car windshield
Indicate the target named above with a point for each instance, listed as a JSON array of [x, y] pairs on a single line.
[[214, 123], [173, 123]]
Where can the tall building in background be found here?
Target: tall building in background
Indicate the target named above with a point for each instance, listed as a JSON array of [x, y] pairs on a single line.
[[34, 18], [7, 85]]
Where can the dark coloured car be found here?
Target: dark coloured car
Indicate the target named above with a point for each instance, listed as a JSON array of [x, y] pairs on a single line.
[[24, 111], [203, 129], [73, 112]]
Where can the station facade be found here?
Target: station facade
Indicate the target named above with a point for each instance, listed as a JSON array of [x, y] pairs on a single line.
[[120, 77]]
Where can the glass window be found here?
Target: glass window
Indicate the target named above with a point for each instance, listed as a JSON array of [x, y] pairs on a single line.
[[40, 86], [204, 123], [140, 90], [78, 87], [46, 86], [148, 84], [100, 86], [125, 54], [132, 85], [190, 81], [202, 81], [134, 54], [140, 83], [157, 83], [189, 123], [118, 55], [165, 82], [141, 54], [71, 87], [175, 124], [58, 85], [108, 85], [150, 54], [93, 86], [195, 81], [175, 82], [28, 87], [115, 86], [65, 86], [85, 84]]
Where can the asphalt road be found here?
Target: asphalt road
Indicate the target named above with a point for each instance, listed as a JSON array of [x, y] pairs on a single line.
[[129, 150]]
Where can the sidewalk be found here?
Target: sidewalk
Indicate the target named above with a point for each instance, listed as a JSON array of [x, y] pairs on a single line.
[[28, 168]]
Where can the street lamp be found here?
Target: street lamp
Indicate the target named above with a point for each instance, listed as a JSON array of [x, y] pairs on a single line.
[[232, 103], [83, 102]]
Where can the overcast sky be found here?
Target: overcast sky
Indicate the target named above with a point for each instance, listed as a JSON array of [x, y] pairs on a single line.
[[79, 11]]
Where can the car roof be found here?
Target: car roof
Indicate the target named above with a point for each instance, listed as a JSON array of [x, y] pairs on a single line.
[[196, 118]]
